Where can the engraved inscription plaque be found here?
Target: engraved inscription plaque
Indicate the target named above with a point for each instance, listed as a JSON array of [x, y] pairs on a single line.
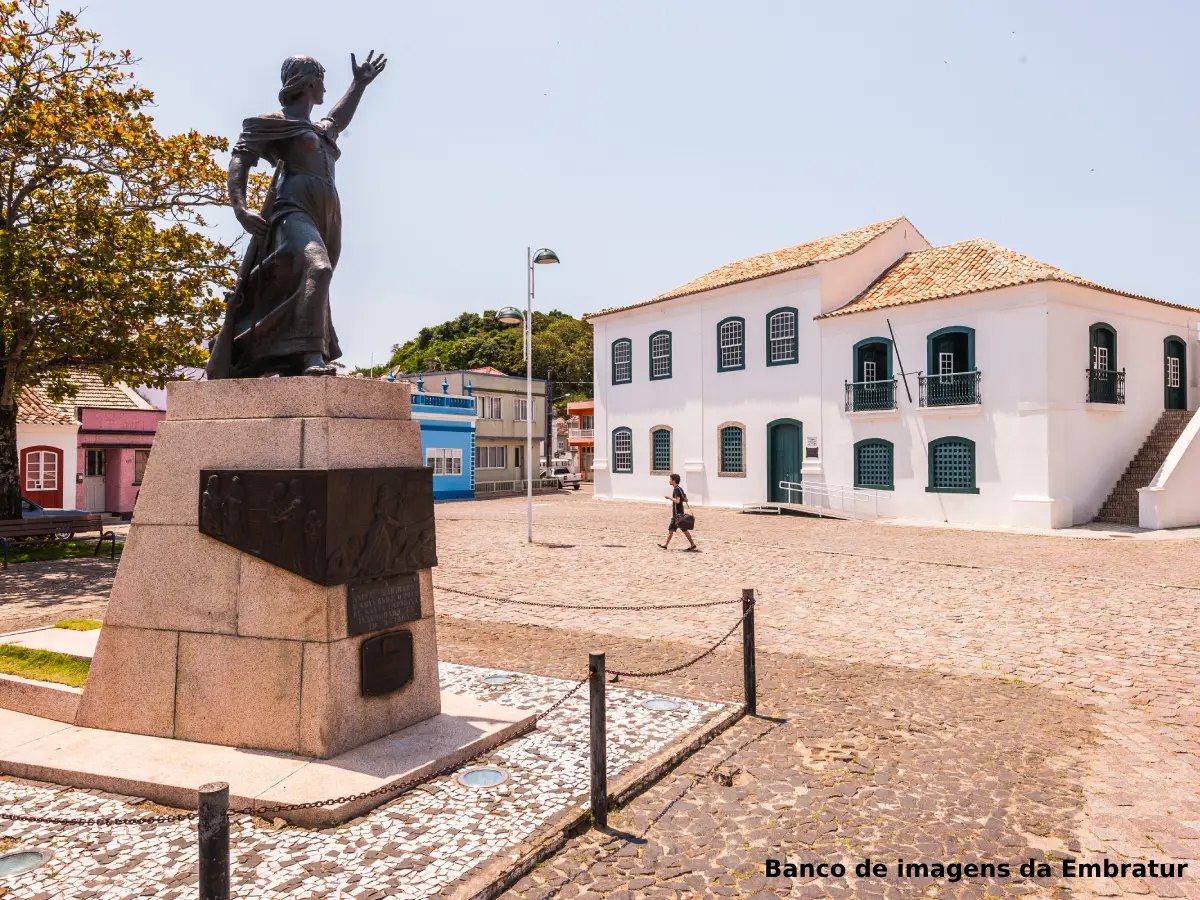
[[386, 663], [340, 526], [375, 605]]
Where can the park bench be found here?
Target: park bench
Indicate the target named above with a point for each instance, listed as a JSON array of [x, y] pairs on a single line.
[[49, 526]]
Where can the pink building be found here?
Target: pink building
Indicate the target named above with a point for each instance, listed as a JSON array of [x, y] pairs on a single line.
[[112, 429]]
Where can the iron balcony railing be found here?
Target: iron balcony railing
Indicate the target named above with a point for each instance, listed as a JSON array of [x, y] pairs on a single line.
[[865, 396], [446, 402], [1105, 386], [954, 389]]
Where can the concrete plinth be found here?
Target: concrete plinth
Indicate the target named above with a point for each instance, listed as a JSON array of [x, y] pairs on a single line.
[[169, 771], [205, 643]]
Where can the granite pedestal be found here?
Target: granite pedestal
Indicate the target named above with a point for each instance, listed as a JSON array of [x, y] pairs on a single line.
[[206, 643]]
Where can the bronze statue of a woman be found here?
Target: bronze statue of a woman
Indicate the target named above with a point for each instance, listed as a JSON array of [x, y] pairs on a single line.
[[277, 319]]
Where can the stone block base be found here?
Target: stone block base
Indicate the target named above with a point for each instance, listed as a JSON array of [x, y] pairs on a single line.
[[202, 642]]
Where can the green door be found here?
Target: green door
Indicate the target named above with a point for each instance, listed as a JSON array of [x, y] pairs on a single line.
[[1176, 374], [783, 459]]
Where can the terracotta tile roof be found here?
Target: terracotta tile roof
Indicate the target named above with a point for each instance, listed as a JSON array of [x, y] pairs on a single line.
[[963, 268], [34, 407], [487, 370], [774, 263]]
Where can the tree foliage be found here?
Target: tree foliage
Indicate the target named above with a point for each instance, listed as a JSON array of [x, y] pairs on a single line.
[[562, 348], [103, 265]]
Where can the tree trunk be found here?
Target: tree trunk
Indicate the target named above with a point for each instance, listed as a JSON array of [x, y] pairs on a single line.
[[10, 466]]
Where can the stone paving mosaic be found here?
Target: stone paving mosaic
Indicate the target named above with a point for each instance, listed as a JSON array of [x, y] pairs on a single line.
[[409, 848]]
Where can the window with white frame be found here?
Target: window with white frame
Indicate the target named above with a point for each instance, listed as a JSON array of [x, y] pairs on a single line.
[[41, 470], [622, 443], [731, 338], [869, 370], [622, 361], [489, 457], [945, 363], [489, 407], [444, 460], [660, 355], [1173, 371], [520, 409], [781, 336]]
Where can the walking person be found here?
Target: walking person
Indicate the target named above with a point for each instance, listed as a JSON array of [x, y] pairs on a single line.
[[680, 520]]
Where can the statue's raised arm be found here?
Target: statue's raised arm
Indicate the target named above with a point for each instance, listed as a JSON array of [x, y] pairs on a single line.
[[343, 110], [277, 320]]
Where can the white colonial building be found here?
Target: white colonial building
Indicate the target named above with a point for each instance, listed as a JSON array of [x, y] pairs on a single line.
[[964, 383]]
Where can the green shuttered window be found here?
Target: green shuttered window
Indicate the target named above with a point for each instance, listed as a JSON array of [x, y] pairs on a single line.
[[661, 442], [874, 466], [952, 466], [732, 455]]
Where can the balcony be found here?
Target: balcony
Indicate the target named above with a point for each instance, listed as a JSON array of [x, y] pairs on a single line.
[[954, 389], [444, 403], [1105, 386], [581, 435], [870, 396]]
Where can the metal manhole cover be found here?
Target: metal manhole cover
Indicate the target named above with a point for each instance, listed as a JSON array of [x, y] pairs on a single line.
[[22, 861], [499, 679], [661, 704], [486, 777]]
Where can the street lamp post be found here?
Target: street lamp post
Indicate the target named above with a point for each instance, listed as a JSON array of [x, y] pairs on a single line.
[[513, 316]]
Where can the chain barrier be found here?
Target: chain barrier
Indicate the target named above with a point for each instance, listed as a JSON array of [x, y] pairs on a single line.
[[100, 820], [576, 606], [691, 662]]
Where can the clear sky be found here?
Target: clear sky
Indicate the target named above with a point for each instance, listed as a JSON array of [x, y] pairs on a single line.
[[649, 142]]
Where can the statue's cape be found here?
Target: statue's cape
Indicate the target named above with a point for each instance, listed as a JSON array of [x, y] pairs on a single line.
[[260, 133]]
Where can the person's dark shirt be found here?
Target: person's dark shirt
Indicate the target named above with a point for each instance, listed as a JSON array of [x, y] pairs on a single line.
[[677, 499]]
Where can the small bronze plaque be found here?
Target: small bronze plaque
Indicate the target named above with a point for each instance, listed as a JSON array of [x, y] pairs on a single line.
[[386, 663], [375, 605]]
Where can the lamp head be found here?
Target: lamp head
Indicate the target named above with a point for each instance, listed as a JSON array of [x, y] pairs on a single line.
[[510, 315], [544, 256]]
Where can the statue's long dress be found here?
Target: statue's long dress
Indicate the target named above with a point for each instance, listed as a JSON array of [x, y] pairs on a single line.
[[280, 306]]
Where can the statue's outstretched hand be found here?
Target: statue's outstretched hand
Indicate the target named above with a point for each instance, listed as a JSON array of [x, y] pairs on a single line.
[[371, 67]]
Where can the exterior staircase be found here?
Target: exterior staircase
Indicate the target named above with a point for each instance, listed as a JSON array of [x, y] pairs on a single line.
[[1122, 504]]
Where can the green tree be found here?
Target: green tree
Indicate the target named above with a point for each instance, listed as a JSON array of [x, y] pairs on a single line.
[[562, 348], [102, 263]]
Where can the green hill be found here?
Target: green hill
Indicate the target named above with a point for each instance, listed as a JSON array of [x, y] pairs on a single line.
[[562, 350]]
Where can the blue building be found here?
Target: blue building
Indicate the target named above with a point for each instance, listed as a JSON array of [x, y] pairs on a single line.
[[447, 439]]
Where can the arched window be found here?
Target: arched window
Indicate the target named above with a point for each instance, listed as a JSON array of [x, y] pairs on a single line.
[[1105, 383], [660, 450], [951, 378], [1175, 372], [732, 439], [871, 387], [874, 464], [622, 361], [660, 355], [622, 450], [952, 466], [731, 344], [781, 337]]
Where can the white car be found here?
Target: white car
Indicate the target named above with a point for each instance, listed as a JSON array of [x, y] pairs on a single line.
[[565, 476]]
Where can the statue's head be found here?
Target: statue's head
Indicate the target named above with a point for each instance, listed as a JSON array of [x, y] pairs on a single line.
[[302, 75]]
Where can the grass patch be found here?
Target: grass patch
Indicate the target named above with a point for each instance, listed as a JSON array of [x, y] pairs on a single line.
[[43, 665], [42, 550], [79, 624]]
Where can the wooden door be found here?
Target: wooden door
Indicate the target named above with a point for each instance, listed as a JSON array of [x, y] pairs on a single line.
[[94, 480], [41, 476], [783, 459], [1175, 374]]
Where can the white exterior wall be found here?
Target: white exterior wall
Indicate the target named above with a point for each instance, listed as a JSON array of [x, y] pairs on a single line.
[[1172, 499], [1045, 458], [64, 438], [697, 399], [1092, 443], [1008, 428]]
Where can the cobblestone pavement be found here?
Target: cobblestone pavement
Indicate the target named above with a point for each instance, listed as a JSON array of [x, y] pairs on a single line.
[[42, 593], [1108, 625], [1078, 657], [410, 847]]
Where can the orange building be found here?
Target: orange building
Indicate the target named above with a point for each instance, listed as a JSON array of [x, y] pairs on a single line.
[[581, 438]]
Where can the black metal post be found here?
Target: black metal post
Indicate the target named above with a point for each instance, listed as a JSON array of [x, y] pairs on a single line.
[[213, 829], [4, 544], [599, 736], [748, 674]]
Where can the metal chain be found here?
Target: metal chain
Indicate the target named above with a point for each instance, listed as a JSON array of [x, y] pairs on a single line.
[[650, 606], [402, 787], [101, 820], [691, 662]]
